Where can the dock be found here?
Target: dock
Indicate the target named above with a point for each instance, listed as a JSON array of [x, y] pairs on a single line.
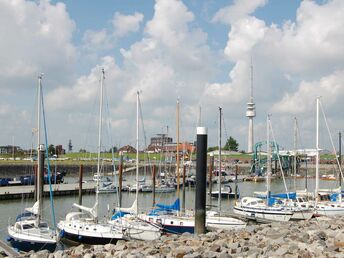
[[9, 251], [27, 191]]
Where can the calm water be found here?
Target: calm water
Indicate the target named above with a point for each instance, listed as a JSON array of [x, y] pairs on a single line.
[[63, 204]]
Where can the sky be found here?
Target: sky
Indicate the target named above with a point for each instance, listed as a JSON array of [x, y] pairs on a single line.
[[197, 51]]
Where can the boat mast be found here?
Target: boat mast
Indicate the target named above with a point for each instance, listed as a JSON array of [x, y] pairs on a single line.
[[137, 150], [295, 151], [317, 152], [220, 163], [177, 169], [268, 159], [99, 140], [39, 169]]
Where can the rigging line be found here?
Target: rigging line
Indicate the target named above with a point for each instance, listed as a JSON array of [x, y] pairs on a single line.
[[48, 161], [107, 111], [144, 135], [279, 160], [334, 148]]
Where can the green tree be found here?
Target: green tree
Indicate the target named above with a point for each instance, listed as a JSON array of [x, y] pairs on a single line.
[[231, 144], [213, 148], [51, 150]]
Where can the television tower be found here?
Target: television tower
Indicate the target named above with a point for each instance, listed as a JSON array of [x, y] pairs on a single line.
[[250, 113]]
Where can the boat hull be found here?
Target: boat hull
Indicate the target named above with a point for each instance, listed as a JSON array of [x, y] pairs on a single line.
[[263, 216], [27, 246], [72, 238]]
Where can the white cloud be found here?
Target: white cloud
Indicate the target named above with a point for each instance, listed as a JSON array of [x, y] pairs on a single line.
[[35, 37], [237, 11], [124, 24], [329, 87]]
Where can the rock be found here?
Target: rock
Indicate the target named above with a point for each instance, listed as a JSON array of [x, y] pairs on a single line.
[[339, 240], [78, 250], [215, 248], [40, 254], [281, 251], [58, 254], [210, 254], [88, 256]]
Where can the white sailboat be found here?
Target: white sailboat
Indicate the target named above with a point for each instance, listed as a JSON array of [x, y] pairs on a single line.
[[127, 218], [83, 226], [326, 208], [258, 209], [30, 231]]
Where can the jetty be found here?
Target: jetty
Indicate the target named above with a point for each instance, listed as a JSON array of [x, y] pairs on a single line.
[[22, 191]]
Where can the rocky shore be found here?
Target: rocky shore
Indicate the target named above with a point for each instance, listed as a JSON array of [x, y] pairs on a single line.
[[319, 237]]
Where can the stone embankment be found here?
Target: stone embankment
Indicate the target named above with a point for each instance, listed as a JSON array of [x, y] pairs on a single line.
[[321, 237]]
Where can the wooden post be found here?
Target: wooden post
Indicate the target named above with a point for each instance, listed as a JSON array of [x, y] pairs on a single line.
[[236, 182], [35, 169], [81, 172], [184, 199], [120, 178], [211, 167]]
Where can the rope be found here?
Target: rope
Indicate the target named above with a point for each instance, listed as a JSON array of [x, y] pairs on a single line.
[[48, 161]]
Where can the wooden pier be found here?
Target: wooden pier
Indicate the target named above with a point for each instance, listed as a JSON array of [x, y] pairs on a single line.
[[17, 192]]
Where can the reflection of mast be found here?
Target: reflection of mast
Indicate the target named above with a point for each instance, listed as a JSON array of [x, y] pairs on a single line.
[[250, 113]]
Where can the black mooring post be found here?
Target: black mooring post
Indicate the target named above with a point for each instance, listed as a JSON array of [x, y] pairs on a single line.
[[201, 180]]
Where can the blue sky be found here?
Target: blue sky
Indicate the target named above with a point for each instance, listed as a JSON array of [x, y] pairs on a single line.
[[198, 51]]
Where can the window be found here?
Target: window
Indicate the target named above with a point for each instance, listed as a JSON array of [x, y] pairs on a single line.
[[27, 226]]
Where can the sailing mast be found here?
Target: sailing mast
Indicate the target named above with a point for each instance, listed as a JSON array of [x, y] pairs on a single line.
[[137, 150], [39, 169], [99, 142], [268, 160], [317, 153], [295, 151], [220, 163], [177, 169]]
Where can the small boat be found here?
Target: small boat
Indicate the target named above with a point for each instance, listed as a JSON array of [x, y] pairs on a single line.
[[226, 193], [30, 231], [164, 188], [256, 209], [330, 177], [84, 226]]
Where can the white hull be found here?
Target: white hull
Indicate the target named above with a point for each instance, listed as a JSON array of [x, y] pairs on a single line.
[[330, 209], [262, 215], [226, 223], [134, 228]]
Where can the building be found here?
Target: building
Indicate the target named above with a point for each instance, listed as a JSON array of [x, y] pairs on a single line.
[[250, 113], [9, 149], [59, 150], [127, 149], [160, 140]]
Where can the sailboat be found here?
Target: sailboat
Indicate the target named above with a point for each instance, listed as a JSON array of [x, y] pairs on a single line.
[[127, 218], [30, 231], [262, 210], [83, 226], [326, 208], [175, 222]]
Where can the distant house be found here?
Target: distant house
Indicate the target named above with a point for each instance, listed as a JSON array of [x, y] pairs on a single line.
[[9, 149], [59, 150], [127, 149]]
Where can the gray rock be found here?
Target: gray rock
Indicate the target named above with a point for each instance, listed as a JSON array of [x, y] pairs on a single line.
[[88, 255], [210, 254], [215, 248]]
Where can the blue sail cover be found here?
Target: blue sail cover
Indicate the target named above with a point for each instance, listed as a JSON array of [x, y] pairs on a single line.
[[166, 208], [291, 195], [175, 206]]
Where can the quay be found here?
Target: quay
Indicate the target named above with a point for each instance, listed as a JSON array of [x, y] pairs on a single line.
[[22, 191]]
